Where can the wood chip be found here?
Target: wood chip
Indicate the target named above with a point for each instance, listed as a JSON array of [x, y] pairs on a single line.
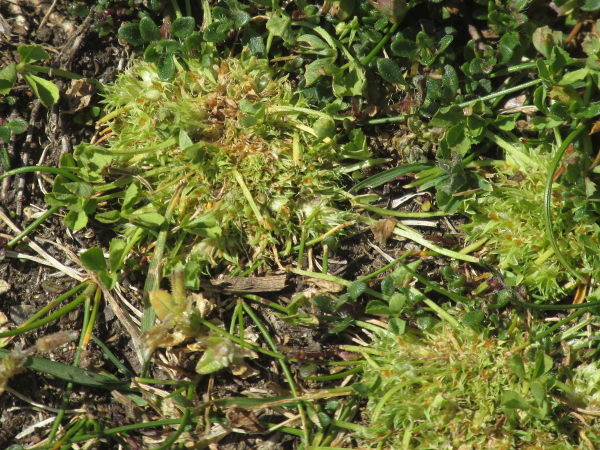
[[229, 285]]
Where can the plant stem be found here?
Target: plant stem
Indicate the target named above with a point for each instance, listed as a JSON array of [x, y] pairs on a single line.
[[32, 226], [392, 213], [548, 201], [83, 339], [28, 169], [380, 45], [59, 73], [286, 370], [52, 317], [495, 95]]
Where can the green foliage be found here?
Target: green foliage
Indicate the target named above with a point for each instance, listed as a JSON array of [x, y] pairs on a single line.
[[43, 89], [162, 52], [446, 388], [253, 167], [512, 216], [17, 126]]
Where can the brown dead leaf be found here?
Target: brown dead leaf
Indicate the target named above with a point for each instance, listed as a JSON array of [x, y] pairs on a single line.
[[327, 286], [595, 127], [79, 95], [383, 229], [243, 370], [244, 419]]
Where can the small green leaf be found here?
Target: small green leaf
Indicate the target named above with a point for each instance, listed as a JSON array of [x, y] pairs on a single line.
[[457, 139], [280, 24], [397, 302], [506, 123], [311, 44], [132, 196], [93, 158], [341, 326], [571, 77], [539, 393], [361, 389], [404, 48], [149, 219], [447, 117], [450, 80], [590, 5], [93, 259], [387, 286], [390, 71], [434, 88], [356, 289], [82, 190], [45, 90], [240, 18], [377, 307], [219, 353], [131, 34], [426, 322], [357, 148], [543, 364], [444, 43], [169, 46], [149, 31], [324, 303], [424, 41], [108, 216], [324, 128], [544, 40], [205, 225], [256, 109], [254, 41], [318, 68], [76, 220], [517, 367], [512, 400], [153, 53], [397, 326], [166, 68], [507, 45], [109, 280], [18, 126], [116, 254], [349, 82], [192, 280], [5, 133], [32, 53], [8, 77], [216, 31], [473, 318], [183, 27]]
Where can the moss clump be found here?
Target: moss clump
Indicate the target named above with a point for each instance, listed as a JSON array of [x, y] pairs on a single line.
[[453, 389], [249, 163], [511, 216]]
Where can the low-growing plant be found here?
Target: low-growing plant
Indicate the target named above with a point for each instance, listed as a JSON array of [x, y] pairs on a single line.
[[241, 161], [453, 388], [43, 89]]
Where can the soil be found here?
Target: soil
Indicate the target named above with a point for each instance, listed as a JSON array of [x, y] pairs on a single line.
[[32, 397]]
